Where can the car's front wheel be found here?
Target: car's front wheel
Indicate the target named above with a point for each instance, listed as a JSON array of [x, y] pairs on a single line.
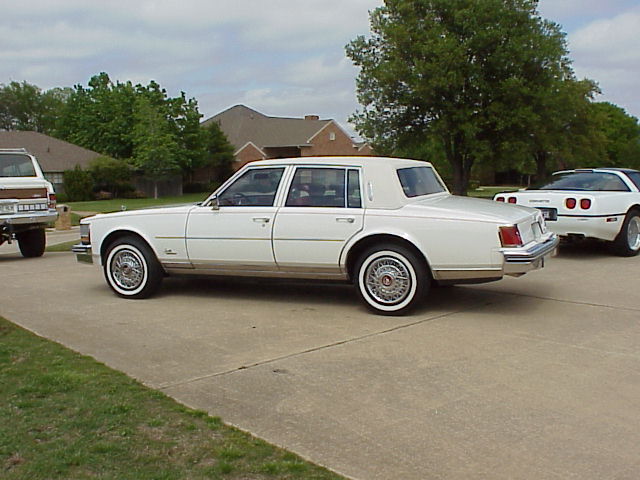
[[627, 243], [132, 269], [391, 279]]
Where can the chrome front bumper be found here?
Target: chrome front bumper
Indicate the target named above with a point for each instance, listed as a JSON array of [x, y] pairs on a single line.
[[83, 253], [518, 261]]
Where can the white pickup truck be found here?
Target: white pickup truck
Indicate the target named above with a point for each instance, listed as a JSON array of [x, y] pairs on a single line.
[[27, 202]]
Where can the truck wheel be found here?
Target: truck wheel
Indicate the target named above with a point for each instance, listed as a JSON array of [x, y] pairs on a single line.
[[391, 279], [627, 243], [132, 269], [32, 242]]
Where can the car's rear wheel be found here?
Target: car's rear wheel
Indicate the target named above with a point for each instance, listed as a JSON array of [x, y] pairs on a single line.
[[32, 242], [391, 279], [627, 243], [132, 269]]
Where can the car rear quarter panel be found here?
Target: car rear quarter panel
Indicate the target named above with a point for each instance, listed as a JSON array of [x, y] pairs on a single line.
[[447, 244]]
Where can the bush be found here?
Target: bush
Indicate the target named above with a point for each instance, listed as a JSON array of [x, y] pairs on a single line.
[[78, 184]]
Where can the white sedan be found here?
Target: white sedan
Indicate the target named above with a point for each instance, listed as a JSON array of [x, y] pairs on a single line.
[[388, 225], [601, 203]]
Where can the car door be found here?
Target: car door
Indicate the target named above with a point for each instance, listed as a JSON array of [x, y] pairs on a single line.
[[235, 233], [321, 212]]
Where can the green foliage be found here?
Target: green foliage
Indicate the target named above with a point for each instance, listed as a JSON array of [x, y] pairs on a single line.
[[621, 133], [26, 107], [470, 75], [111, 174], [219, 152], [78, 184]]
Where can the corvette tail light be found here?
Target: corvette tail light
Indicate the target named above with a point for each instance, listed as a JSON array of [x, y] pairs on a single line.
[[570, 203], [499, 199], [512, 200], [52, 201], [510, 236], [585, 204]]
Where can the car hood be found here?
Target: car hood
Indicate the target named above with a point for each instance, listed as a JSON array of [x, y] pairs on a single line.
[[468, 208], [128, 214]]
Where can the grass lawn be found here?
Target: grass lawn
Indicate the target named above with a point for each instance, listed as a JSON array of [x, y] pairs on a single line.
[[66, 416], [104, 206], [61, 247]]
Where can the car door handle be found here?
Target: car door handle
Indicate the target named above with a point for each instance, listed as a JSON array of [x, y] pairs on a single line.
[[261, 219], [345, 219]]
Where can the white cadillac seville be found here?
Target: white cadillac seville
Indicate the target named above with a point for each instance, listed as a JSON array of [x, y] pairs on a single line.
[[388, 225], [601, 203]]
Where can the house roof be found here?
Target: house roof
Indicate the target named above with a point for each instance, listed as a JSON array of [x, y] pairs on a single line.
[[53, 155], [242, 125]]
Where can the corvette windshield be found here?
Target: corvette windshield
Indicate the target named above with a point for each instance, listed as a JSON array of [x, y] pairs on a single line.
[[588, 181]]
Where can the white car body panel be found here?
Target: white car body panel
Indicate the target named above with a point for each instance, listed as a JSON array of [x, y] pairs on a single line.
[[458, 237]]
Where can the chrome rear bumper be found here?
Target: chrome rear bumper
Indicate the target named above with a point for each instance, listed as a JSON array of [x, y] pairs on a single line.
[[518, 261], [83, 253]]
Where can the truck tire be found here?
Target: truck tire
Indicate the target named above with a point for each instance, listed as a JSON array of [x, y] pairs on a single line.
[[32, 242]]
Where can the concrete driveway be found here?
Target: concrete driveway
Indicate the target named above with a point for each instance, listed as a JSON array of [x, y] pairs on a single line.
[[529, 378]]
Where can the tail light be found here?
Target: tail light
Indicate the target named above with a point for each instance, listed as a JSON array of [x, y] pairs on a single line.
[[570, 203], [512, 200], [499, 199], [510, 236], [585, 204], [52, 201]]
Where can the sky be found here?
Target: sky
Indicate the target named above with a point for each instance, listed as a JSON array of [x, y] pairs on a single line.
[[280, 57]]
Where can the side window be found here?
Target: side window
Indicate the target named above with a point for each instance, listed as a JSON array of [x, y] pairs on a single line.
[[317, 187], [354, 199], [255, 188], [635, 178]]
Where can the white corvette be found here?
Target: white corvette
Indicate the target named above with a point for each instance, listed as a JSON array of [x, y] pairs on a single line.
[[601, 203], [388, 225]]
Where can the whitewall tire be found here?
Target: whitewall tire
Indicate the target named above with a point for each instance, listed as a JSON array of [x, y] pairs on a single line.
[[131, 268], [391, 279]]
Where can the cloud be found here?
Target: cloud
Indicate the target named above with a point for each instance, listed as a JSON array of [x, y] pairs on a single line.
[[606, 51]]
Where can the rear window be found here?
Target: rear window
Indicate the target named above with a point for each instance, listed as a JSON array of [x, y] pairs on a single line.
[[587, 181], [418, 181], [16, 166]]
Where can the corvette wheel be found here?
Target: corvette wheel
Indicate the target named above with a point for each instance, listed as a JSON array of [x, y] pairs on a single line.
[[131, 268], [627, 243], [391, 279]]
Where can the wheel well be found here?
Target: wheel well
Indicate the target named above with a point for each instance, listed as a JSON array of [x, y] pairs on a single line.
[[367, 242], [113, 236], [633, 208]]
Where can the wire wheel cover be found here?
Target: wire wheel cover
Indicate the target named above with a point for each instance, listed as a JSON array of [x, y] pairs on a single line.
[[388, 280], [127, 269], [633, 233]]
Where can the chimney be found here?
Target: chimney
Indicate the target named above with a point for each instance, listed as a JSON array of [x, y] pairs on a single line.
[[311, 117]]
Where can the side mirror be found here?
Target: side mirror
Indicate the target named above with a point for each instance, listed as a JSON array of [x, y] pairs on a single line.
[[214, 203]]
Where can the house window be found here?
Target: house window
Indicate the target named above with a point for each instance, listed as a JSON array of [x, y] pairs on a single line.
[[332, 136], [54, 177]]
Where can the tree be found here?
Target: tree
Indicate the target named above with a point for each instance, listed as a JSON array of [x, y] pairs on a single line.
[[621, 132], [154, 145], [465, 73], [24, 106], [219, 152], [110, 174]]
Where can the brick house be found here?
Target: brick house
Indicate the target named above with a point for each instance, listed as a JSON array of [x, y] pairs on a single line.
[[256, 136], [54, 156]]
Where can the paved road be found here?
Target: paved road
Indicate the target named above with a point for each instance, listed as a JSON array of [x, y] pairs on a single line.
[[529, 378]]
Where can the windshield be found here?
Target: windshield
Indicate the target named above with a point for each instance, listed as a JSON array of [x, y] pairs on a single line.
[[589, 181], [16, 165], [418, 181]]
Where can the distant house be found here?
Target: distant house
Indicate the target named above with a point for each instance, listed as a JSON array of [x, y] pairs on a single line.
[[55, 156], [256, 136]]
